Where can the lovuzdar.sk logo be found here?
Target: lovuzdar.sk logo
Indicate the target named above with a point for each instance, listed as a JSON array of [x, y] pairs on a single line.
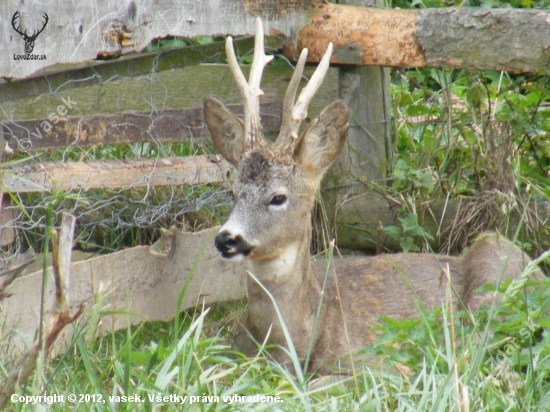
[[29, 39]]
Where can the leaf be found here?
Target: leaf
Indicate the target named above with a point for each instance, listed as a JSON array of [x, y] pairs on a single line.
[[408, 222], [393, 231], [407, 244], [476, 94], [203, 40]]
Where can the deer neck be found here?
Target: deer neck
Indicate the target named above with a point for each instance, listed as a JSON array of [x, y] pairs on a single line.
[[289, 279]]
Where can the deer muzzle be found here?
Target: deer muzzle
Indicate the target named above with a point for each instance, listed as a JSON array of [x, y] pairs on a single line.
[[232, 246]]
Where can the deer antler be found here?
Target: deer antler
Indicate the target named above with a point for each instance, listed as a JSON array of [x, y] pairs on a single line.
[[295, 112], [35, 33], [250, 92], [29, 40], [24, 34], [14, 22]]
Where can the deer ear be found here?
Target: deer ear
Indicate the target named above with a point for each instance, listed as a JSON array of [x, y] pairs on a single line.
[[227, 130], [323, 140]]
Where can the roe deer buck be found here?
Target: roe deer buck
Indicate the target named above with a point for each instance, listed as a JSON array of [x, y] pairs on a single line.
[[270, 226]]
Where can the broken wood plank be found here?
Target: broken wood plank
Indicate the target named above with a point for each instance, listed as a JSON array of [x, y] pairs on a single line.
[[131, 286], [115, 174], [472, 38], [59, 318], [462, 38]]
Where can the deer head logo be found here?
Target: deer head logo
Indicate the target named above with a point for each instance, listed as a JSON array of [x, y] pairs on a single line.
[[29, 40]]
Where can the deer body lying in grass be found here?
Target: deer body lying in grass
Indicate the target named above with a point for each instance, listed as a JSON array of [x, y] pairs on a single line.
[[270, 226]]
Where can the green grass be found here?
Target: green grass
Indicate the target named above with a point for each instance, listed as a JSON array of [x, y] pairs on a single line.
[[501, 361]]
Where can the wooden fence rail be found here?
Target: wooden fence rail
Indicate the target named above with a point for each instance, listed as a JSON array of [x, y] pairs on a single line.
[[487, 39], [116, 174], [137, 284], [168, 126]]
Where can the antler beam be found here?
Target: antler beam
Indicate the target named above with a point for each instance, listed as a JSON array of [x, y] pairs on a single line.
[[17, 27], [295, 112], [250, 92]]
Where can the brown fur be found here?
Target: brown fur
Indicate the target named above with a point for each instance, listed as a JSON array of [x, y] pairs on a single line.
[[366, 288]]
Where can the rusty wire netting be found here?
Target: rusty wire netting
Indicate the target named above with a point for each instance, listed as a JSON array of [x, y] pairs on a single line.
[[158, 116]]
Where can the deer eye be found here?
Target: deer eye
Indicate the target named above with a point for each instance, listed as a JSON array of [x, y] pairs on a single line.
[[278, 200]]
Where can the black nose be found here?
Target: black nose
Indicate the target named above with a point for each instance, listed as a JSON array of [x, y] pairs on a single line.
[[230, 246]]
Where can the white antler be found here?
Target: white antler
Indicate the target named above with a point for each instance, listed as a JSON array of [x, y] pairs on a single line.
[[295, 113], [250, 92]]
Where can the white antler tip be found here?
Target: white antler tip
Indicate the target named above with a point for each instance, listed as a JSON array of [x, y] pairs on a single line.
[[229, 46], [259, 30], [328, 52]]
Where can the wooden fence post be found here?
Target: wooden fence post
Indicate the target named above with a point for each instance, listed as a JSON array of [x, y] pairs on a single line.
[[367, 154]]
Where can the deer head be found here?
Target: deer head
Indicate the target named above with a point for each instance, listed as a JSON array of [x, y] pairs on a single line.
[[29, 40], [277, 182]]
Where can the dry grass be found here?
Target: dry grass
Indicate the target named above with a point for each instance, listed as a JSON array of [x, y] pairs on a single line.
[[499, 202]]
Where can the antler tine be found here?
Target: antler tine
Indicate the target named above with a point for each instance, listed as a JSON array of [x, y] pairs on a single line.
[[16, 16], [250, 92], [290, 98], [238, 76], [295, 113], [259, 61]]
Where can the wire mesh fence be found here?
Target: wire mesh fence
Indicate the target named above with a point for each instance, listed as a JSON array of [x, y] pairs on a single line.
[[110, 122], [108, 148], [439, 122]]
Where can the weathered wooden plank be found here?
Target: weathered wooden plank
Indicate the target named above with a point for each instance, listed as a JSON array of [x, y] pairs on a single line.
[[70, 76], [174, 126], [135, 281], [165, 108], [60, 313], [189, 170], [78, 31], [500, 39], [153, 96], [466, 38]]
